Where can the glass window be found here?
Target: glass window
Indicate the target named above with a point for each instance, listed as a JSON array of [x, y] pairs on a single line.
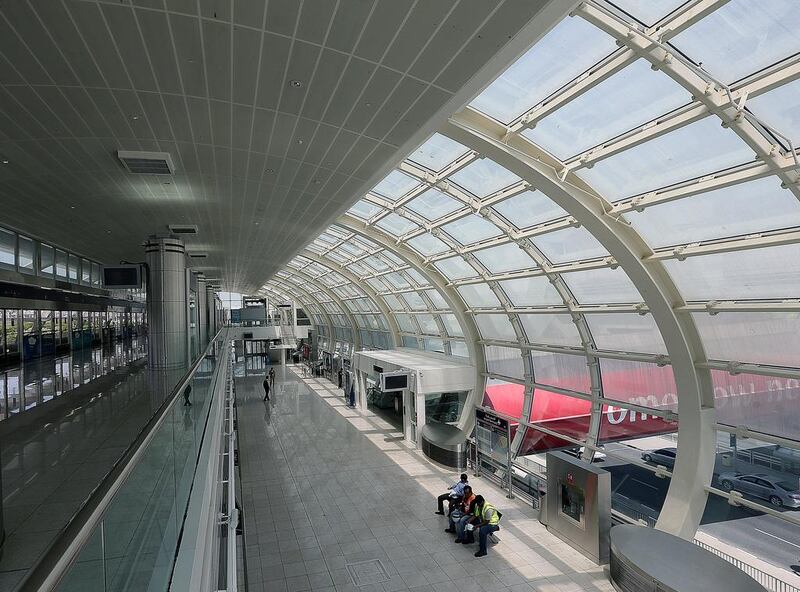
[[396, 224], [772, 272], [570, 48], [433, 204], [771, 338], [395, 185], [478, 295], [74, 267], [639, 383], [626, 332], [529, 208], [602, 286], [495, 326], [742, 37], [27, 254], [533, 291], [96, 279], [459, 349], [434, 345], [47, 263], [61, 263], [455, 268], [504, 397], [452, 325], [648, 11], [8, 247], [550, 329], [780, 109], [397, 280], [437, 299], [427, 324], [405, 324], [506, 257], [570, 244], [686, 153], [471, 229], [484, 177], [746, 208], [410, 342], [562, 370], [438, 152], [414, 300], [505, 361], [620, 103]]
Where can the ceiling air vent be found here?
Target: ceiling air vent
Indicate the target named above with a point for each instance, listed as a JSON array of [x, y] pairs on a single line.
[[183, 228], [196, 255], [147, 163]]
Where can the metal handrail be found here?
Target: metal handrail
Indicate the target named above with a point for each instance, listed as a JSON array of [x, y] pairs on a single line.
[[56, 560]]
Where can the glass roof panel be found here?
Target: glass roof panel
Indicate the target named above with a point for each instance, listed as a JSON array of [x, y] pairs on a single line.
[[484, 177], [418, 278], [437, 299], [562, 370], [571, 47], [648, 11], [427, 324], [506, 257], [602, 286], [533, 291], [570, 244], [755, 206], [377, 263], [780, 109], [364, 209], [451, 325], [742, 37], [455, 268], [415, 301], [397, 280], [620, 103], [396, 224], [433, 204], [495, 326], [506, 361], [471, 229], [359, 269], [427, 244], [478, 295], [772, 272], [528, 208], [395, 185], [771, 338], [627, 332], [438, 152], [405, 324], [691, 151], [551, 329]]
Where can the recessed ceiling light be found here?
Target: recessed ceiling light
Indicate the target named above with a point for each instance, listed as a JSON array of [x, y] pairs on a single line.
[[135, 117], [108, 232], [269, 170], [72, 207], [256, 223], [368, 104], [300, 140], [5, 161], [296, 83]]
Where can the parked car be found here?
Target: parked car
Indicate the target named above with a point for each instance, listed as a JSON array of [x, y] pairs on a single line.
[[663, 456], [778, 492]]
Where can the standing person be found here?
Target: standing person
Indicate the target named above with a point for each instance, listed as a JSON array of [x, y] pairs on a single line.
[[265, 384], [486, 521], [455, 494], [272, 378], [339, 374], [186, 392]]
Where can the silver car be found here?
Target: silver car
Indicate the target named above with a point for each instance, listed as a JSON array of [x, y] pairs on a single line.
[[779, 493], [663, 456]]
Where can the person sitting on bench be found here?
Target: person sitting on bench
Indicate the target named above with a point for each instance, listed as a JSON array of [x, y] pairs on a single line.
[[486, 521], [454, 495]]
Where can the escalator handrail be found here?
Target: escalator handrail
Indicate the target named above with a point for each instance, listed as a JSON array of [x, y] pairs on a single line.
[[54, 562]]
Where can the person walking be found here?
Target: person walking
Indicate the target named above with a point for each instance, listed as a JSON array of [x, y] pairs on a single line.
[[186, 393], [272, 378], [265, 384], [487, 519]]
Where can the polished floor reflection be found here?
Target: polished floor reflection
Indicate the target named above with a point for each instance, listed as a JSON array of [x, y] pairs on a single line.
[[38, 381], [50, 468], [329, 490]]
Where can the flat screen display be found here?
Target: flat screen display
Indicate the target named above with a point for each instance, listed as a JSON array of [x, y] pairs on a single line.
[[122, 276], [398, 382]]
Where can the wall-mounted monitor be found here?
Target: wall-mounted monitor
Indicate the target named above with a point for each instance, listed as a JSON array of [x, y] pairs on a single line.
[[394, 381], [121, 277]]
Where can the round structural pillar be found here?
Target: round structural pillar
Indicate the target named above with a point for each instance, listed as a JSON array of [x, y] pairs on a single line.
[[166, 303], [202, 311], [211, 313]]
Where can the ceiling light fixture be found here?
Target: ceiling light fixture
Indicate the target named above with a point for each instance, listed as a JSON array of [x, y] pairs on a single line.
[[296, 83], [300, 140], [135, 117], [5, 161], [269, 170]]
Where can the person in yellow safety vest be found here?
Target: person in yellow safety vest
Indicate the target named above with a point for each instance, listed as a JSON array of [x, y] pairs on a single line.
[[486, 521]]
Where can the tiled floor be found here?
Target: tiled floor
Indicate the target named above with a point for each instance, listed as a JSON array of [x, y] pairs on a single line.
[[327, 489]]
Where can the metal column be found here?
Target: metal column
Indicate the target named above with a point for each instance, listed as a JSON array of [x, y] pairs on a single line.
[[202, 310], [211, 312], [167, 302]]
